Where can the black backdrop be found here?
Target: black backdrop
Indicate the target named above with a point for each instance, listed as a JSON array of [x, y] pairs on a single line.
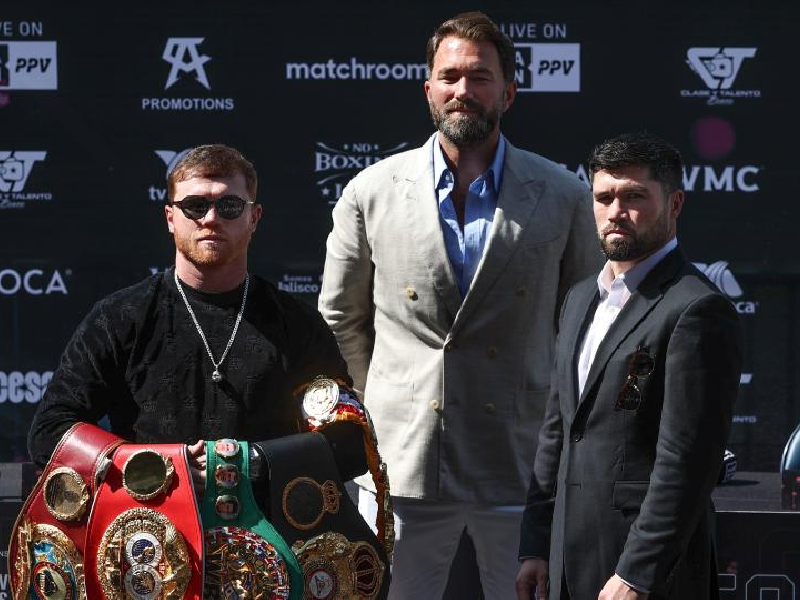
[[95, 105]]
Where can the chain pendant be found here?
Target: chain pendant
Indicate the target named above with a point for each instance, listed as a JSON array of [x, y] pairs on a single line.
[[216, 376]]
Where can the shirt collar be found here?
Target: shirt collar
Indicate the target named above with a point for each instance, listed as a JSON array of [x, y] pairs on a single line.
[[636, 274], [441, 171]]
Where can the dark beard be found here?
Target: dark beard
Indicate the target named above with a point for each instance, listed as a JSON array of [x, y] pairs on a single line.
[[464, 131], [637, 247]]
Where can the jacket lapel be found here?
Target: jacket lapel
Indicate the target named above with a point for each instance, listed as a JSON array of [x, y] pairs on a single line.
[[520, 194], [641, 303], [576, 322], [422, 213]]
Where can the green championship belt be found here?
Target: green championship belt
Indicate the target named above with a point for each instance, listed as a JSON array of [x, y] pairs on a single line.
[[245, 556]]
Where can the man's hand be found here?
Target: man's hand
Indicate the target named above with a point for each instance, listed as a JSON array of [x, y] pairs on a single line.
[[196, 454], [616, 589], [532, 577]]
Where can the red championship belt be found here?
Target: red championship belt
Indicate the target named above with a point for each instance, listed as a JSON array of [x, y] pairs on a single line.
[[45, 555], [145, 531]]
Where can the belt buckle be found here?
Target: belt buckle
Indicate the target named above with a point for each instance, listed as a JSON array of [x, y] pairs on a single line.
[[147, 474], [65, 494]]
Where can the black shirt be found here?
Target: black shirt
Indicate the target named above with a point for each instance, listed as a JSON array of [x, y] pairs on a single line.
[[138, 358]]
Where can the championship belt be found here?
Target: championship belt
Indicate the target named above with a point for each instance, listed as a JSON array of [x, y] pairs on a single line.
[[245, 557], [327, 401], [46, 550], [340, 556], [145, 533]]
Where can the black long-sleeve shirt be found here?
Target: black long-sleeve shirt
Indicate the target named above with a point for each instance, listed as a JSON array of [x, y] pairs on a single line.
[[138, 358]]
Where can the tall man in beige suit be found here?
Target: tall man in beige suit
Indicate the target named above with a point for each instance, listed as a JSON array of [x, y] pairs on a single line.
[[444, 275]]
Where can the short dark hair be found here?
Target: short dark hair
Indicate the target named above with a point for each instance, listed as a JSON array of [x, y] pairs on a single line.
[[213, 160], [640, 149], [476, 27]]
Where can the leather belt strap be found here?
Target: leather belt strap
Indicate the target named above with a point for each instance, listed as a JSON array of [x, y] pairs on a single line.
[[235, 526], [147, 543], [310, 507], [55, 515]]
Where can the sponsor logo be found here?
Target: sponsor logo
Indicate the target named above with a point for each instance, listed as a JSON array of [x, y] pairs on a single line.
[[28, 66], [747, 419], [728, 178], [34, 282], [16, 386], [718, 68], [721, 276], [187, 62], [704, 178], [183, 55], [158, 192], [355, 69], [335, 166], [15, 168], [548, 67], [300, 284]]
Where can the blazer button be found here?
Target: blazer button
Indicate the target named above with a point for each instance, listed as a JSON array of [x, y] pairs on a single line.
[[521, 290], [490, 408], [449, 346], [491, 351], [577, 437], [435, 404], [411, 293]]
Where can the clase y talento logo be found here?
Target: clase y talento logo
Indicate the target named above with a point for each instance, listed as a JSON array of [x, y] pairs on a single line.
[[15, 169], [718, 68]]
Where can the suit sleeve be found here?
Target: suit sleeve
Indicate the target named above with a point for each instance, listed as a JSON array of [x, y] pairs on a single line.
[[582, 256], [702, 371], [345, 300], [537, 519]]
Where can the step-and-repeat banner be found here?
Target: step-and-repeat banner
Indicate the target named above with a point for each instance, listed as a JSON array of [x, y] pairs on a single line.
[[96, 106]]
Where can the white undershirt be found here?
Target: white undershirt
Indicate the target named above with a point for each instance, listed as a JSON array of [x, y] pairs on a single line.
[[614, 293]]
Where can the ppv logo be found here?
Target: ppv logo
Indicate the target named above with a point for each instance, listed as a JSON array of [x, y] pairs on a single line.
[[720, 275], [34, 282], [28, 66], [184, 57], [718, 67], [15, 168], [16, 386], [340, 165], [548, 67]]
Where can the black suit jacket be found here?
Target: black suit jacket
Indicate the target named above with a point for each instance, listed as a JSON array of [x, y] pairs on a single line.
[[628, 491]]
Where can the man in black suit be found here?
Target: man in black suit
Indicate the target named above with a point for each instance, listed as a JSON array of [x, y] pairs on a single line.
[[646, 372]]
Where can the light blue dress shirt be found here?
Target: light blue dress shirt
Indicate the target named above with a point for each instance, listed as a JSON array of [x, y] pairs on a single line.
[[465, 247]]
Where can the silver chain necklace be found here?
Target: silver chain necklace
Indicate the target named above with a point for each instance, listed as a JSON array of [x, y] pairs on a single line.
[[216, 375]]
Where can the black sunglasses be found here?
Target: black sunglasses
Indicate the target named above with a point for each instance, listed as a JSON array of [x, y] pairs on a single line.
[[228, 207], [641, 365]]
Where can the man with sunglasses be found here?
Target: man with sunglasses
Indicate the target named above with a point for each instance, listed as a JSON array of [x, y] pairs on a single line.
[[647, 368], [204, 350]]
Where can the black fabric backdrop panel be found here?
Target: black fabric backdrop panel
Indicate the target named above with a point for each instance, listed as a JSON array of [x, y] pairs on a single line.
[[312, 92]]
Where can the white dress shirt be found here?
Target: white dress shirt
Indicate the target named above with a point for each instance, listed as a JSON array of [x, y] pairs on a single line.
[[614, 293]]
